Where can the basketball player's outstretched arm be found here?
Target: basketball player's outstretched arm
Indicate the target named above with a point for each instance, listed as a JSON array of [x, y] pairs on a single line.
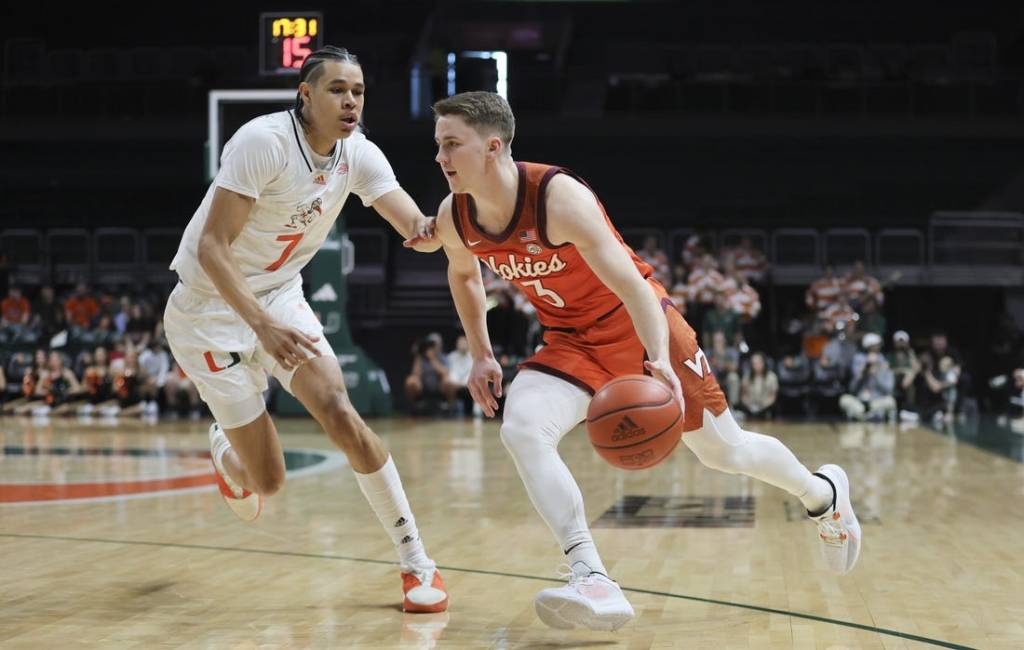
[[398, 209], [228, 214], [574, 216], [467, 287]]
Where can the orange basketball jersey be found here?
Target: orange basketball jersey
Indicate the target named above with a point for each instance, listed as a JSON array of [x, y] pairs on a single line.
[[557, 280]]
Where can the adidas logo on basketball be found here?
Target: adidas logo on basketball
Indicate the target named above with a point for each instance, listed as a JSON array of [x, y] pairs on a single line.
[[627, 429]]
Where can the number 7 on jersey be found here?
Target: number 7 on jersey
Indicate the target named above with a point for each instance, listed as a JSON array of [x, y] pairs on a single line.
[[293, 241]]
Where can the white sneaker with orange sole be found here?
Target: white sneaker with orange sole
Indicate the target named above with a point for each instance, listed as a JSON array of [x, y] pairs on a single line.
[[245, 504], [424, 590]]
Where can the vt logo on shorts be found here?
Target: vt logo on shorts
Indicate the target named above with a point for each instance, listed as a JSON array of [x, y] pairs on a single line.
[[212, 365], [699, 364]]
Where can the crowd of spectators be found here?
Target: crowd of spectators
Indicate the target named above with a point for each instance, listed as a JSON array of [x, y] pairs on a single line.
[[88, 353]]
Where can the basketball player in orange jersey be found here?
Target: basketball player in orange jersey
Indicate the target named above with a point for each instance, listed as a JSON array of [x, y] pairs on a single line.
[[238, 311], [542, 228]]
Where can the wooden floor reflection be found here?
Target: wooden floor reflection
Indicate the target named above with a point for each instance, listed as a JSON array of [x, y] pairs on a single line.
[[720, 562]]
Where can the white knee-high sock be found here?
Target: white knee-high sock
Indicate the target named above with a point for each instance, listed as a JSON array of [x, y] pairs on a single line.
[[721, 444], [539, 410], [383, 490]]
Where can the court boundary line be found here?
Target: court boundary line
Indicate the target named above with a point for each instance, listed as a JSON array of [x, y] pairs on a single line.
[[651, 592]]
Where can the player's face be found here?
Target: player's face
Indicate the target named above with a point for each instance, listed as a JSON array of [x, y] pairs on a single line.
[[336, 100], [461, 152]]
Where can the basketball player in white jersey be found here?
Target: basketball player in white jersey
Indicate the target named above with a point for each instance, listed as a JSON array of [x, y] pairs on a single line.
[[548, 233], [239, 312]]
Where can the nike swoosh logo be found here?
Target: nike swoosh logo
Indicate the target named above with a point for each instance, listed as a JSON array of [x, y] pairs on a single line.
[[474, 243]]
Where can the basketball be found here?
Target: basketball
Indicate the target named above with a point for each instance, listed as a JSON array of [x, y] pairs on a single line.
[[634, 422]]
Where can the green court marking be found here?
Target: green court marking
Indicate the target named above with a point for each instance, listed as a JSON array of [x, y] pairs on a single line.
[[665, 594]]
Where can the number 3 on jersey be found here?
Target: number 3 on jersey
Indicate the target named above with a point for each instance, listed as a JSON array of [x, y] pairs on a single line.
[[293, 241], [546, 294]]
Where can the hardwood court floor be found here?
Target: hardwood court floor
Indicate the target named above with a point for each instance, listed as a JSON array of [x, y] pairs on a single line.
[[942, 561]]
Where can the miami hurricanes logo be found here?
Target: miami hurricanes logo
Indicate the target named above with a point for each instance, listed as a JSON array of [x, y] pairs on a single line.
[[304, 216], [212, 365]]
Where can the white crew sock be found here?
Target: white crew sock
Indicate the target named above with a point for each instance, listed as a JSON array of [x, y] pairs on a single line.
[[383, 490]]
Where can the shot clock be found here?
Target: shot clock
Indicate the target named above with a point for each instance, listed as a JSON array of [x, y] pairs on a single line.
[[286, 39]]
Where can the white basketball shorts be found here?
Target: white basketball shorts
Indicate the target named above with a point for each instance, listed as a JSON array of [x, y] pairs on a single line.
[[221, 354]]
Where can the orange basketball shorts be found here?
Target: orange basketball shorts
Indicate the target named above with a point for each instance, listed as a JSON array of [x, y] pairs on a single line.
[[610, 347]]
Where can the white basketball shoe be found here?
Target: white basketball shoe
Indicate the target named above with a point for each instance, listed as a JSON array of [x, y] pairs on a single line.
[[592, 600], [838, 527], [247, 505]]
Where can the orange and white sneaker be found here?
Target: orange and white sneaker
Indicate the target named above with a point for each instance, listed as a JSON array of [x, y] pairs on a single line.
[[247, 505], [424, 589], [838, 527]]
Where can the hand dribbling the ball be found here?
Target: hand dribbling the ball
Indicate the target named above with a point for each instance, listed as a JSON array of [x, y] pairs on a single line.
[[485, 384], [662, 370]]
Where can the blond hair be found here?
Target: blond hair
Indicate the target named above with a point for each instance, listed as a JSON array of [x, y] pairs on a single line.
[[485, 111]]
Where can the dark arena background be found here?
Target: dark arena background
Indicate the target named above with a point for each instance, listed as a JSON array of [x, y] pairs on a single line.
[[831, 193]]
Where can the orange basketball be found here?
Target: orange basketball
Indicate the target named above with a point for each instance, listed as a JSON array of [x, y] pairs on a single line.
[[634, 422]]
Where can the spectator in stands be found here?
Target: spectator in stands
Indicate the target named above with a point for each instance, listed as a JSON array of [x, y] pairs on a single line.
[[154, 364], [14, 309], [705, 282], [127, 381], [794, 375], [98, 383], [750, 262], [81, 308], [459, 363], [48, 315], [123, 315], [724, 360], [140, 324], [657, 258], [21, 377], [871, 320], [824, 292], [102, 334], [905, 368], [59, 388], [720, 319], [860, 286], [692, 254], [759, 388], [871, 384], [178, 388], [3, 386], [680, 291], [745, 303], [31, 396], [428, 374], [841, 348], [839, 315], [938, 390]]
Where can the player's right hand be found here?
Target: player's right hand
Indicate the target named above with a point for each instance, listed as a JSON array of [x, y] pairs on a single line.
[[287, 345], [485, 384]]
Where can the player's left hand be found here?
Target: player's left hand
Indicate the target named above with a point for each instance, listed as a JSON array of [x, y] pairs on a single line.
[[485, 384], [662, 370], [424, 237]]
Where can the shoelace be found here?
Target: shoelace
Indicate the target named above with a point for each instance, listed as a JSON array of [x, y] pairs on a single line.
[[831, 531], [425, 575], [565, 572]]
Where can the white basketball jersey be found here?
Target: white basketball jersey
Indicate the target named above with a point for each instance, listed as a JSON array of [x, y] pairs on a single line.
[[269, 160]]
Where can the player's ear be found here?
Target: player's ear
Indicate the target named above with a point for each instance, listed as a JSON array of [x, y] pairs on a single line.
[[494, 146]]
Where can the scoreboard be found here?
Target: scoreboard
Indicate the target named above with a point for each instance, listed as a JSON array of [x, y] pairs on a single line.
[[286, 39]]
